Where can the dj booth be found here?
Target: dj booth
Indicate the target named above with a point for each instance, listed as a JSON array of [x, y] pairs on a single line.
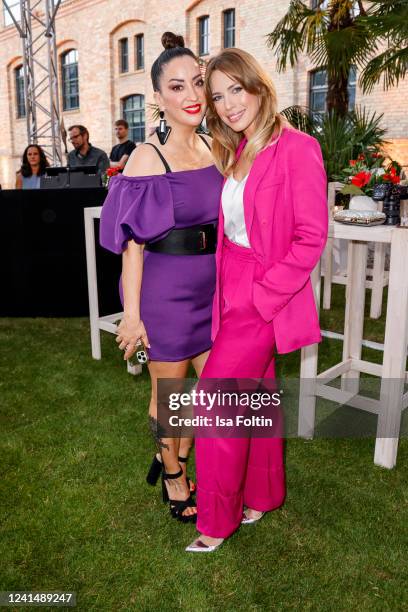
[[43, 262]]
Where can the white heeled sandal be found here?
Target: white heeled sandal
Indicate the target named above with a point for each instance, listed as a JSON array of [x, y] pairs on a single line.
[[199, 546], [248, 521]]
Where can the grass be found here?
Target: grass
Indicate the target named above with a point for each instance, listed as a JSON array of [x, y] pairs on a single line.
[[76, 514]]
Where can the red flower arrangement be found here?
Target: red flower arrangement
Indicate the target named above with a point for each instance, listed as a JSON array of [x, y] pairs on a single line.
[[112, 172], [107, 175], [361, 179], [366, 171], [391, 176]]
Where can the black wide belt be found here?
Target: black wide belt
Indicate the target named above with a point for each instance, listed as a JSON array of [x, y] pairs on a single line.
[[196, 240]]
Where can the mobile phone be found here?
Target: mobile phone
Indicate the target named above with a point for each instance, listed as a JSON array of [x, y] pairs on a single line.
[[141, 353]]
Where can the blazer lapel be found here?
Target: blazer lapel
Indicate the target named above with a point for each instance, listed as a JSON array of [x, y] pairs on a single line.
[[256, 174], [220, 234]]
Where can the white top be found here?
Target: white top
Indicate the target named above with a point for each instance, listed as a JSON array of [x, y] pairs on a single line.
[[233, 209]]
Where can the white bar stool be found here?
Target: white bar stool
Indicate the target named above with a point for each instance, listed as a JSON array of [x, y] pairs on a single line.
[[97, 323], [392, 372]]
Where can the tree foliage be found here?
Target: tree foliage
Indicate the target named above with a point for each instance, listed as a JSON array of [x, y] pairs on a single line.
[[339, 34]]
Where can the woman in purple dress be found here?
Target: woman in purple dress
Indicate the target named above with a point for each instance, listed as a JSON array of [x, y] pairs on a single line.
[[161, 214]]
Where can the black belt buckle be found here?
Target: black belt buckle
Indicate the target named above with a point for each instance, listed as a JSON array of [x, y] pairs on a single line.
[[186, 241], [203, 240]]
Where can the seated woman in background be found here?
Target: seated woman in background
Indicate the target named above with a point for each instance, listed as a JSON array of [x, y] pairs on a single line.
[[33, 166]]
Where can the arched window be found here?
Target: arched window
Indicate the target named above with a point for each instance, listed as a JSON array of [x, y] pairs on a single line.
[[229, 28], [204, 35], [133, 111], [318, 88], [20, 93], [318, 92], [70, 85], [124, 55], [139, 52]]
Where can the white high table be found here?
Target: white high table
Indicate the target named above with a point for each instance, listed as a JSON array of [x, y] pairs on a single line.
[[392, 400]]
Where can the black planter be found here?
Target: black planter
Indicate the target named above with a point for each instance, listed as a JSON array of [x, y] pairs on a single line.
[[390, 195]]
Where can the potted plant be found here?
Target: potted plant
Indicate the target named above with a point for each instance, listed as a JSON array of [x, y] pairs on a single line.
[[362, 174]]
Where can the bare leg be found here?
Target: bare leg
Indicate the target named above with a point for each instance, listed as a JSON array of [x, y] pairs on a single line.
[[168, 447], [186, 443], [199, 362]]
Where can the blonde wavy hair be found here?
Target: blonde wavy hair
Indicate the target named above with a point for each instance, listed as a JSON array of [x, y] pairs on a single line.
[[243, 68]]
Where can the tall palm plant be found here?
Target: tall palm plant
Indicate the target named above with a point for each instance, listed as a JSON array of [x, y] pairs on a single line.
[[330, 33], [339, 34], [387, 20]]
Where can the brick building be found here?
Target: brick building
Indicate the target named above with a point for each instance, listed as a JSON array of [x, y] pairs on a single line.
[[105, 50]]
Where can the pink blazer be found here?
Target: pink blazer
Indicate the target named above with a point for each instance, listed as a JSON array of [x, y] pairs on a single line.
[[286, 218]]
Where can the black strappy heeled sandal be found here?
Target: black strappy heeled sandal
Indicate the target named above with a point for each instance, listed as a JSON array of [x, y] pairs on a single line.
[[155, 470], [190, 483], [177, 506]]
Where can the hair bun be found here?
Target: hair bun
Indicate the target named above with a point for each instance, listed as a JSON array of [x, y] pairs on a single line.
[[170, 40]]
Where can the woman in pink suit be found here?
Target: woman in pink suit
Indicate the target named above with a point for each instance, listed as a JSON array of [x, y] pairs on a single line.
[[272, 231]]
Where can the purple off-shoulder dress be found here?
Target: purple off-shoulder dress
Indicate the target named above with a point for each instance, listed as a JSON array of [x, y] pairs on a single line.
[[177, 290]]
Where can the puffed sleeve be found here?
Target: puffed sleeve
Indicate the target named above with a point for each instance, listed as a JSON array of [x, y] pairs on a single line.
[[138, 208]]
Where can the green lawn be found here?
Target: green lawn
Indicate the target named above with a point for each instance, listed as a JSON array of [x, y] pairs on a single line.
[[76, 513]]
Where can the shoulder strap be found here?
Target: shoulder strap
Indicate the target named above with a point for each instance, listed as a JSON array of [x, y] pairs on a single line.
[[205, 142], [166, 165]]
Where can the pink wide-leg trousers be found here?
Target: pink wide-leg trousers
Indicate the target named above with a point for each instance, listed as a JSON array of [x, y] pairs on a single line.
[[233, 472]]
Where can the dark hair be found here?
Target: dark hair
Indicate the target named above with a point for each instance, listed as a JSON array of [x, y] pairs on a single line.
[[25, 164], [173, 47], [82, 129], [122, 122]]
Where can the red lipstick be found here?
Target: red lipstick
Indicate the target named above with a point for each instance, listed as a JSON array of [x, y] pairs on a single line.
[[193, 110]]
